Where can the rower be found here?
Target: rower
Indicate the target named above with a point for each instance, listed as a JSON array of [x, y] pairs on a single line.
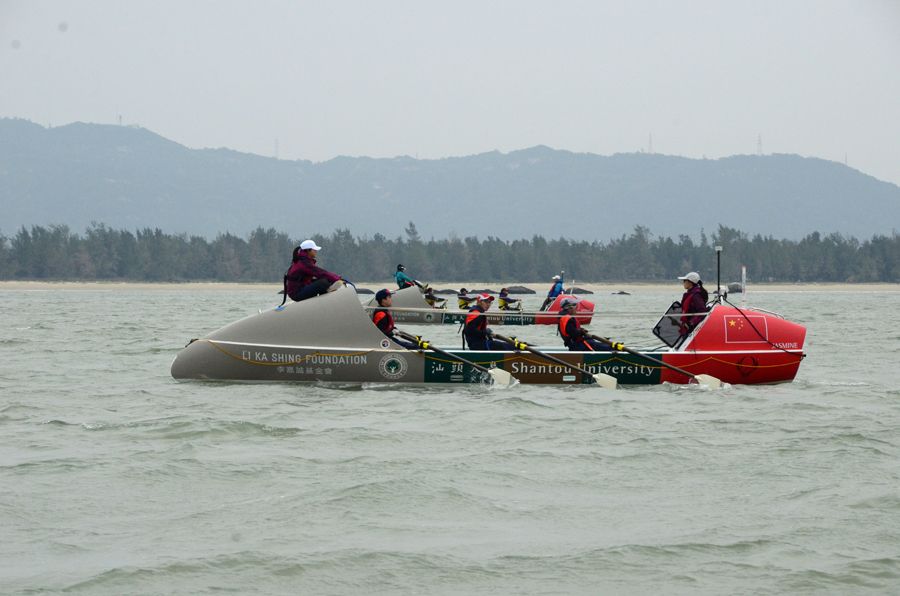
[[504, 301], [476, 332], [432, 300], [384, 321], [463, 299], [572, 333]]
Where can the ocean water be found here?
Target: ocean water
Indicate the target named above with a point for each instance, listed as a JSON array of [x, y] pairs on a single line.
[[116, 479]]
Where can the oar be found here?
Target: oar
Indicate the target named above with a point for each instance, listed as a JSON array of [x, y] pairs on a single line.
[[705, 380], [602, 379], [497, 375]]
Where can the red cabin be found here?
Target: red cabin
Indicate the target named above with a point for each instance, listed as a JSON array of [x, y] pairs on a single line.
[[584, 311]]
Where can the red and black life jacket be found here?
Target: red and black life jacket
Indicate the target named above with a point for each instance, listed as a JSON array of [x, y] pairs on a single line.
[[383, 320], [574, 340], [475, 329]]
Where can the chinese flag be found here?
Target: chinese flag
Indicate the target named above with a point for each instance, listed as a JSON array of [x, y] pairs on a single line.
[[740, 329]]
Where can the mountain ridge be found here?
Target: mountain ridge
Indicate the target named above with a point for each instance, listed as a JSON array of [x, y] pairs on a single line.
[[130, 177]]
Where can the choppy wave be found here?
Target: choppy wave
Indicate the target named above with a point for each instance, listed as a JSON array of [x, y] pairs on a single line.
[[116, 479]]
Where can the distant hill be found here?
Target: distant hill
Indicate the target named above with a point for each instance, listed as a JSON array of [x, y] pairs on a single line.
[[129, 177]]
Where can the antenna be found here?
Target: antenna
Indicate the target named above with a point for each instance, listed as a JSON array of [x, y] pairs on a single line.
[[743, 285], [718, 272]]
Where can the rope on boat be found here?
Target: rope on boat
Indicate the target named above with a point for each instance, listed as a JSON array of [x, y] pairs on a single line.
[[521, 357]]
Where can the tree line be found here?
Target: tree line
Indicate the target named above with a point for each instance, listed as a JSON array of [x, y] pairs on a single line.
[[101, 253]]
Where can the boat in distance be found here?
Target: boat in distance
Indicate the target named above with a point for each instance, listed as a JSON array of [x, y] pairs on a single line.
[[331, 339]]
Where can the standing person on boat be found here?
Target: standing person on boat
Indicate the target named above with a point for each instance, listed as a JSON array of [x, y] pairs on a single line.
[[405, 281], [693, 301], [383, 319], [555, 290], [477, 334], [305, 279], [463, 300], [504, 302], [570, 330]]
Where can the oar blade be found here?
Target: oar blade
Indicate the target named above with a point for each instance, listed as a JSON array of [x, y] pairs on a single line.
[[606, 381], [708, 381], [502, 378]]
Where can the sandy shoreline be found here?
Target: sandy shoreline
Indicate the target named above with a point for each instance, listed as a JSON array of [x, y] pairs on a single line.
[[539, 287]]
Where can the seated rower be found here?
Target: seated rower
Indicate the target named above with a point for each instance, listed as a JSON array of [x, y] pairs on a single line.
[[507, 303], [305, 279], [572, 333], [432, 300], [463, 299], [476, 332], [384, 321]]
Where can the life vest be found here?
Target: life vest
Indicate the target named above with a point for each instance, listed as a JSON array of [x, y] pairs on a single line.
[[383, 320], [569, 340], [561, 324], [475, 330], [473, 316]]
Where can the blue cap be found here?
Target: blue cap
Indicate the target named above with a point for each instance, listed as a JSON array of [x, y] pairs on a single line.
[[382, 294]]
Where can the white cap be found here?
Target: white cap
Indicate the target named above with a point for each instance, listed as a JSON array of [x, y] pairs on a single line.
[[692, 277], [556, 277], [309, 245]]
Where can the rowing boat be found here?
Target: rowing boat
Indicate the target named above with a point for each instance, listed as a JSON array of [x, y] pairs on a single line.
[[330, 338]]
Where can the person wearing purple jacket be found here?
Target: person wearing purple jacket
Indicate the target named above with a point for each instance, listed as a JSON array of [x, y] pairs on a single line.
[[305, 279], [693, 301]]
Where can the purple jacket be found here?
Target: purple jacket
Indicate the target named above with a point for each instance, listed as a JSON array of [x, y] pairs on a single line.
[[692, 302], [304, 271]]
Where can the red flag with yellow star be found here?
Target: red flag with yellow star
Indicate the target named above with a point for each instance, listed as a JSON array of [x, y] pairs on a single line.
[[740, 329]]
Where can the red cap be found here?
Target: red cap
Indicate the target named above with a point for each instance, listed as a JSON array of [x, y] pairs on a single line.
[[486, 297]]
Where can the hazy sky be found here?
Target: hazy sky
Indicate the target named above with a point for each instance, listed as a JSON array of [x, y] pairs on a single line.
[[434, 79]]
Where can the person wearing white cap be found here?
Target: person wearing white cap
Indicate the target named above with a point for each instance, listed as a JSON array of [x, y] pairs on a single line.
[[476, 332], [693, 301], [305, 279], [555, 290]]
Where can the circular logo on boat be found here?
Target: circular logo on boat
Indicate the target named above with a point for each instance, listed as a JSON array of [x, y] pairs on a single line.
[[429, 317], [393, 366], [385, 343]]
